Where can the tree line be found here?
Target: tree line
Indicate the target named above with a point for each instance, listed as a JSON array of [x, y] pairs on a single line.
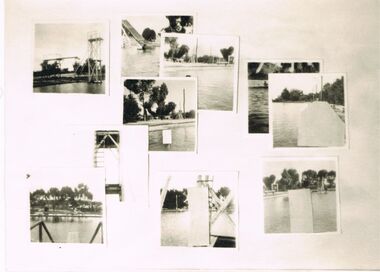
[[286, 67], [290, 179], [49, 69], [180, 53], [331, 93], [65, 198]]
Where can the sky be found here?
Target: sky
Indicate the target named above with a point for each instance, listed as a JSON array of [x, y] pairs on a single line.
[[207, 45], [180, 180], [276, 167], [155, 22], [64, 40], [175, 87], [55, 177], [308, 83]]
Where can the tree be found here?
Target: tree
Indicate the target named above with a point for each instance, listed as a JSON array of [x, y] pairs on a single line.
[[331, 175], [334, 93], [141, 88], [190, 114], [289, 179], [149, 34], [223, 191], [309, 178], [295, 95], [38, 197], [55, 194], [268, 181], [285, 95], [226, 52], [67, 195], [130, 109]]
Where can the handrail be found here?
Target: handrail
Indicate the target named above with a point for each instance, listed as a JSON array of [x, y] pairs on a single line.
[[41, 225], [100, 225], [68, 215]]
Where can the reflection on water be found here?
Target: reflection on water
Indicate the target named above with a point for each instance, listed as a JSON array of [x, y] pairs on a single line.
[[215, 85], [79, 231], [135, 62], [286, 118], [78, 87], [258, 112], [277, 217], [183, 139]]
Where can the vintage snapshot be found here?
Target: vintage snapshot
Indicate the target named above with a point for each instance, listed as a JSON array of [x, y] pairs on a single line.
[[300, 195], [198, 209], [258, 71], [141, 41], [213, 60], [70, 58], [308, 110], [66, 205], [168, 106]]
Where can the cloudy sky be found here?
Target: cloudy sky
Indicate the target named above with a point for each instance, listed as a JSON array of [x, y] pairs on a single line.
[[275, 167], [64, 40]]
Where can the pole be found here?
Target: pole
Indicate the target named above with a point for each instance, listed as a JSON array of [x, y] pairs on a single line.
[[183, 101]]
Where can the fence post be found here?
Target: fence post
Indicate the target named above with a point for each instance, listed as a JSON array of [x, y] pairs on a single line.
[[40, 232]]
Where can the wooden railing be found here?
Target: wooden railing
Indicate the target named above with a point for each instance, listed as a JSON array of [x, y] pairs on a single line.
[[100, 226], [41, 225]]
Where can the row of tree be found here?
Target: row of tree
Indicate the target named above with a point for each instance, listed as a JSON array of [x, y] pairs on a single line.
[[180, 53], [286, 67], [49, 69], [290, 179], [331, 93], [65, 198]]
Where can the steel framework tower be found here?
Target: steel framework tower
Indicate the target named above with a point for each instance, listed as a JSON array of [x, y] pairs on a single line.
[[94, 61]]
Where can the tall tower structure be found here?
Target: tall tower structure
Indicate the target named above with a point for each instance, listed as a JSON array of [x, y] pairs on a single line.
[[94, 60]]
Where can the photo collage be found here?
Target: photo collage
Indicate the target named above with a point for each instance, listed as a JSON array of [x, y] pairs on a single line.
[[169, 76]]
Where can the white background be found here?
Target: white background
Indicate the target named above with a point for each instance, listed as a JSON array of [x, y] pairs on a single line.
[[344, 34]]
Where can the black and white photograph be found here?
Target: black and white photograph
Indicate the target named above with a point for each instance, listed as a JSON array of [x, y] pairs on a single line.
[[300, 195], [198, 209], [168, 106], [66, 206], [308, 110], [258, 71], [141, 41], [213, 60], [70, 58]]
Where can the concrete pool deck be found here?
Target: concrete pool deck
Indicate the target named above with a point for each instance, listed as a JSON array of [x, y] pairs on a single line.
[[320, 126]]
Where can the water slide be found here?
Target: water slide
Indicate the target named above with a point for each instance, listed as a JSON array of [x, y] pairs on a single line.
[[129, 29]]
